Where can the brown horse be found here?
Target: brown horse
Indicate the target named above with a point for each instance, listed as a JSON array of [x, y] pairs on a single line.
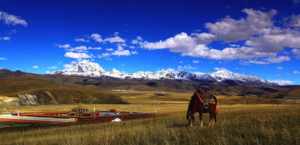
[[202, 103]]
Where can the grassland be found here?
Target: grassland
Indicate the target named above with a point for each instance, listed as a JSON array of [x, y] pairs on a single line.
[[241, 121], [147, 101], [237, 124]]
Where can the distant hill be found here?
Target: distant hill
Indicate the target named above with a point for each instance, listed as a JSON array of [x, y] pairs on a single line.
[[68, 88], [17, 83]]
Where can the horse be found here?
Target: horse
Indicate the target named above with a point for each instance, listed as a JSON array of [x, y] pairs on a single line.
[[198, 104]]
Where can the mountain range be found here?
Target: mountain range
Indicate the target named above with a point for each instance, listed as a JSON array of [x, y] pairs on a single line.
[[93, 84], [91, 69]]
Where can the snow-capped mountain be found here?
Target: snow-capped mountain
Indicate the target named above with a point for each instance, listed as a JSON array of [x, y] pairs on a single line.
[[224, 74], [92, 69], [116, 74], [83, 68], [162, 74]]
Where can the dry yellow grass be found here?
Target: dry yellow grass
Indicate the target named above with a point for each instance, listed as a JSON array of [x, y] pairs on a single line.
[[154, 108], [238, 124], [145, 101], [247, 124]]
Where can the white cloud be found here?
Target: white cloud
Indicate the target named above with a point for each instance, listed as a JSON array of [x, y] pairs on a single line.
[[10, 19], [5, 38], [137, 41], [226, 53], [109, 49], [229, 29], [270, 60], [97, 37], [3, 58], [276, 41], [80, 48], [75, 55], [262, 41], [115, 39], [121, 52], [175, 44], [104, 55], [204, 38], [187, 45], [258, 30], [255, 39], [35, 67], [117, 47], [260, 34], [134, 52], [278, 59]]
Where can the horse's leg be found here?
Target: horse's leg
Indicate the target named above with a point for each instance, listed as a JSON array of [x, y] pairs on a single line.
[[200, 118], [191, 119], [212, 115], [215, 117], [210, 119]]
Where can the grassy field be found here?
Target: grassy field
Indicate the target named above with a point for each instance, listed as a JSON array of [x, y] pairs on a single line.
[[241, 120], [237, 124], [146, 101]]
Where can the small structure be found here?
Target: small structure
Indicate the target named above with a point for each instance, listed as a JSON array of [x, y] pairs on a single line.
[[75, 116]]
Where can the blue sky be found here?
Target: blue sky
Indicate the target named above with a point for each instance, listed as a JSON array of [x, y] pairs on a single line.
[[259, 38]]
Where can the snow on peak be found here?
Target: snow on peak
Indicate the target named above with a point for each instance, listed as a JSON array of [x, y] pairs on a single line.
[[144, 75], [116, 74], [93, 69], [83, 68], [161, 74], [223, 74]]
